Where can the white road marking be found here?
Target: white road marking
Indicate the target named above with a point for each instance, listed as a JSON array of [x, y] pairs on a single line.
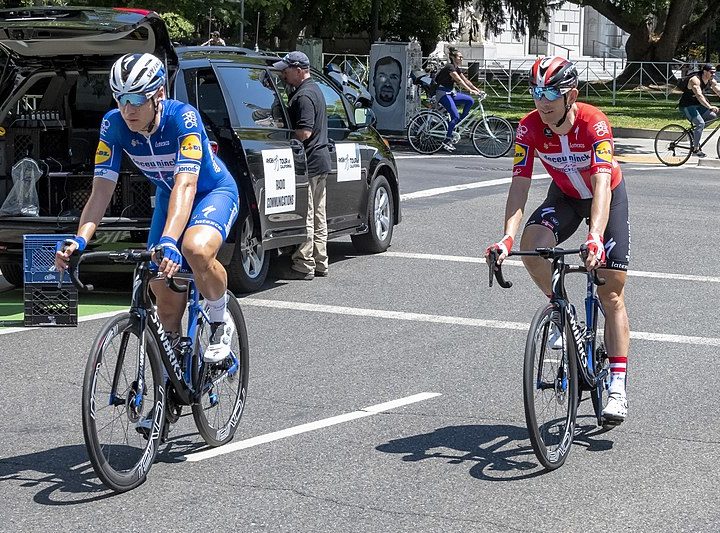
[[453, 320], [5, 331], [311, 426], [463, 187], [516, 263], [438, 156]]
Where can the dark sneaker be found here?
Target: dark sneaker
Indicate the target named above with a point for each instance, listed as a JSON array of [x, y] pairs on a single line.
[[700, 153], [220, 338], [321, 273], [294, 274]]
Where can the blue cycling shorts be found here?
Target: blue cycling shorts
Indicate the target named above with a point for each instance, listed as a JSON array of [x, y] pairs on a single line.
[[217, 208]]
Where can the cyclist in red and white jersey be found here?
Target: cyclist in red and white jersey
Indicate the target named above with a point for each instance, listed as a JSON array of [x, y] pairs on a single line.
[[574, 143]]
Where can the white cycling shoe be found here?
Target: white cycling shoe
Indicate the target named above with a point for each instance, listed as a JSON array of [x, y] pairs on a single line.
[[616, 408], [221, 334]]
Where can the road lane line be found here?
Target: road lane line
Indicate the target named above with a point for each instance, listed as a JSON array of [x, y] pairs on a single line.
[[311, 426], [454, 320], [462, 187], [516, 263]]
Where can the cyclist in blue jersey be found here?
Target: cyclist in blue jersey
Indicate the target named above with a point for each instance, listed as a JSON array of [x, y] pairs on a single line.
[[196, 198]]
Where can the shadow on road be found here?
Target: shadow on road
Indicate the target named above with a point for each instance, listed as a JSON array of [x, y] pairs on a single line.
[[64, 475], [499, 452]]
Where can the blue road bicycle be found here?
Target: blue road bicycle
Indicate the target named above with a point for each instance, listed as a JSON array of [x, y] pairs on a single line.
[[554, 377], [135, 374]]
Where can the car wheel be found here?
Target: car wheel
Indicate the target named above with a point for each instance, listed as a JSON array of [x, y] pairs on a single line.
[[13, 273], [249, 265], [381, 219]]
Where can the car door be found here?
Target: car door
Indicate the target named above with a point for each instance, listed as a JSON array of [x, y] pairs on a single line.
[[347, 183], [275, 161]]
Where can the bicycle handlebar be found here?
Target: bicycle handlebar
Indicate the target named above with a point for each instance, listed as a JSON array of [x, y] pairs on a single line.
[[547, 253], [128, 256]]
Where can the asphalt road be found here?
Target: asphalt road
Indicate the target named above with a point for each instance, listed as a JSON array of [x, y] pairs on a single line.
[[417, 319]]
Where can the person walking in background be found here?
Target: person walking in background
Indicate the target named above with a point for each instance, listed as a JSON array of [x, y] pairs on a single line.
[[695, 106], [214, 40], [309, 120]]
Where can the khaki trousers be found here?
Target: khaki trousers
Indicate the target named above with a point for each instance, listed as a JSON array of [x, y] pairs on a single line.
[[312, 254]]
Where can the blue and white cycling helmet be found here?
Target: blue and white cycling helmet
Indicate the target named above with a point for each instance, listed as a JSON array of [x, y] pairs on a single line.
[[137, 74]]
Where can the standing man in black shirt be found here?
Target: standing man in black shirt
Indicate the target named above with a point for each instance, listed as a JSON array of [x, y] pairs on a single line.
[[309, 119]]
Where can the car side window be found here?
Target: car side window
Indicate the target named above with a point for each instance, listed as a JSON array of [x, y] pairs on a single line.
[[210, 99], [256, 102], [336, 114]]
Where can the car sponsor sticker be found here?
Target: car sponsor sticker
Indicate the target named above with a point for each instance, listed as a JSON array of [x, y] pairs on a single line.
[[279, 171], [349, 167], [521, 155], [190, 147], [103, 153], [603, 151]]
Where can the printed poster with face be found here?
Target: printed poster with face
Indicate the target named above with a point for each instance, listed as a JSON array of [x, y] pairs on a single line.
[[279, 168], [348, 162]]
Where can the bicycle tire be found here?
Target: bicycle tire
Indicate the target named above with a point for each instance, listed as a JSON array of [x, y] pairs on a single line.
[[121, 467], [717, 146], [229, 390], [494, 140], [426, 132], [599, 394], [673, 145], [551, 375]]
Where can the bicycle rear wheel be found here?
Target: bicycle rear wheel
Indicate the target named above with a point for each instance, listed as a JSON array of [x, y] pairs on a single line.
[[113, 403], [673, 145], [225, 383], [426, 132], [550, 390], [493, 137]]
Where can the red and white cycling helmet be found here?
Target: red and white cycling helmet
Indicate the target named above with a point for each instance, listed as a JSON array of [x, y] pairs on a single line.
[[554, 71]]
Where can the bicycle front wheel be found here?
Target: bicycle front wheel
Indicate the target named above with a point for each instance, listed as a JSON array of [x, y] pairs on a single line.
[[113, 403], [426, 132], [550, 389], [493, 137], [673, 145], [225, 383]]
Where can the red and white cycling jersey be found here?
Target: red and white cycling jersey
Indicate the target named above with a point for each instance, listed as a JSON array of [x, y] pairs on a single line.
[[570, 159]]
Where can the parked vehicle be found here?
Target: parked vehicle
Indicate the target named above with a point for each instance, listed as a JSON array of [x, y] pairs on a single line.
[[54, 92]]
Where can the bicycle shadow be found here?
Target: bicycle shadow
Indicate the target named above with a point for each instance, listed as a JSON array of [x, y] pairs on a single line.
[[499, 452], [64, 475]]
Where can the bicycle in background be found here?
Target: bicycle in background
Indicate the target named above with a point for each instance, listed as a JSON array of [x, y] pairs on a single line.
[[554, 377], [491, 136], [674, 144], [135, 375]]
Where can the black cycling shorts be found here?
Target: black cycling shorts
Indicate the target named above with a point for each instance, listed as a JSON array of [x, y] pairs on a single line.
[[563, 214]]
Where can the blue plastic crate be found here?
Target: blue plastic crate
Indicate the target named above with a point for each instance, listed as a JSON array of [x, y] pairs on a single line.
[[39, 258]]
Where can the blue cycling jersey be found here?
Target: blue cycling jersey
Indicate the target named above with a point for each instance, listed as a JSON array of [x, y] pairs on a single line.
[[179, 144]]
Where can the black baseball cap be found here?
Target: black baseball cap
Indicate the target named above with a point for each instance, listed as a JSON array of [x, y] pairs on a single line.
[[293, 59], [708, 66]]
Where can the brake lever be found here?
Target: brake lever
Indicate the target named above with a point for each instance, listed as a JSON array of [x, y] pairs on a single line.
[[597, 280], [496, 271], [170, 282], [73, 266]]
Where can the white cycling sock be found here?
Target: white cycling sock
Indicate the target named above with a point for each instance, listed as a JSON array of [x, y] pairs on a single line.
[[216, 309]]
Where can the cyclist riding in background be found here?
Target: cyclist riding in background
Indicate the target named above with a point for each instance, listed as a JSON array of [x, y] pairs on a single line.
[[196, 198], [695, 106], [446, 79], [574, 142]]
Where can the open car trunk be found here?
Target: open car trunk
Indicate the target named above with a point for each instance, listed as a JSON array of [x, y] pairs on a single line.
[[54, 65]]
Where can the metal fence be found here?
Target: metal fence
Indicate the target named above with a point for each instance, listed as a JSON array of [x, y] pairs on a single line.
[[506, 79]]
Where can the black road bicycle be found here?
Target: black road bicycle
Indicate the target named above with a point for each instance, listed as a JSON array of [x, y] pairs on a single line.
[[554, 377], [674, 144], [134, 374]]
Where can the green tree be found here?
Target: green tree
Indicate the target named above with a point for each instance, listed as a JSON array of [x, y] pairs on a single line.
[[179, 28]]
